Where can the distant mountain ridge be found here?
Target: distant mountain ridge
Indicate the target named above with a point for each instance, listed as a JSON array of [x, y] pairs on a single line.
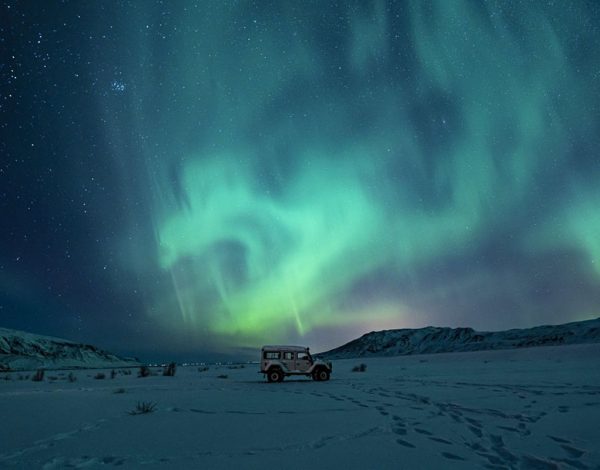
[[439, 340], [20, 350]]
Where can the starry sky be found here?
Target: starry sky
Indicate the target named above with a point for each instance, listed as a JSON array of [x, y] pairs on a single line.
[[196, 178]]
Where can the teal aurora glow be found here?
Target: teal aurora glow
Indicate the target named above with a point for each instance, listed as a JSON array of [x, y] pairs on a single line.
[[304, 171]]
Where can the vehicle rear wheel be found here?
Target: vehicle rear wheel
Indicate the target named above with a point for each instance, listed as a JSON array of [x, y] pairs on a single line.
[[322, 375], [274, 375]]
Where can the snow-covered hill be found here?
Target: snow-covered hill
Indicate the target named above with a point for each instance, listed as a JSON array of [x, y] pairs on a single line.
[[438, 340], [20, 350]]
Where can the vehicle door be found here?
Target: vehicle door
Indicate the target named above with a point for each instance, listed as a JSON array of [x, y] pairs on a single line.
[[288, 360], [303, 361]]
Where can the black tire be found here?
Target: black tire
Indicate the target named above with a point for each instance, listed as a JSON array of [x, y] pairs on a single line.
[[322, 375], [274, 375]]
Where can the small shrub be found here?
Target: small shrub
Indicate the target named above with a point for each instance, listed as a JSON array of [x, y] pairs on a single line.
[[203, 369], [169, 371], [360, 368], [126, 372], [52, 377], [99, 376], [38, 376], [222, 376], [143, 407], [119, 390], [71, 377], [144, 371]]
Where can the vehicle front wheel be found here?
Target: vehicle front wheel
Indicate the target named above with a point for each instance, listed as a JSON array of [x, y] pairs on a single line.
[[274, 375]]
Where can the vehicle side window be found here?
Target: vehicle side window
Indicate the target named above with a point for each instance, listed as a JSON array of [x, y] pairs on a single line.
[[303, 356], [288, 355], [272, 355]]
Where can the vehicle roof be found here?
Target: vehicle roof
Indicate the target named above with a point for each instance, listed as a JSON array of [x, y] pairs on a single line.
[[271, 347]]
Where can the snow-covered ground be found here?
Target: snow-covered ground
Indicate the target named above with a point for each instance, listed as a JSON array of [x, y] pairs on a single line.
[[528, 408]]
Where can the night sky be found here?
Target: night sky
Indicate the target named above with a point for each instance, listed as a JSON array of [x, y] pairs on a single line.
[[187, 179]]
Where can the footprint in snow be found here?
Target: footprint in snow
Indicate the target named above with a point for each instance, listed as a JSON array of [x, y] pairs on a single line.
[[474, 422], [573, 451], [440, 440], [508, 428], [530, 461], [451, 456], [559, 439], [405, 443], [115, 461]]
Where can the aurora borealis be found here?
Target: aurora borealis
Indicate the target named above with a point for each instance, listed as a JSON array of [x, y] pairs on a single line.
[[201, 176]]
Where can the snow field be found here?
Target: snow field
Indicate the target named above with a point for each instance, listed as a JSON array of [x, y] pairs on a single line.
[[529, 408]]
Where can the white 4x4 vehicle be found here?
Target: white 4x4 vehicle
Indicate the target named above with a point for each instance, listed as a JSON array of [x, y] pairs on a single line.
[[278, 362]]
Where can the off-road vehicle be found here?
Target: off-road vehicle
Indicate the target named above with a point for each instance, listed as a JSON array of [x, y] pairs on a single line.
[[277, 362]]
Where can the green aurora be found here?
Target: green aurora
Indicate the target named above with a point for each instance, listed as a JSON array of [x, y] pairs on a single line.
[[304, 171], [388, 146], [385, 146]]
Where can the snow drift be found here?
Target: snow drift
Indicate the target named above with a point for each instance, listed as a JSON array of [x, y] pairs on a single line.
[[439, 340]]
